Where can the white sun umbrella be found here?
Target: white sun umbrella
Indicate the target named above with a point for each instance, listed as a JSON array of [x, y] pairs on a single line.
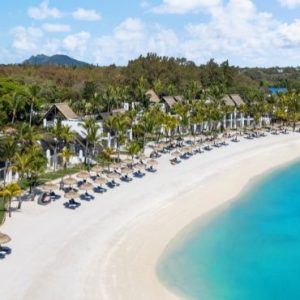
[[71, 195]]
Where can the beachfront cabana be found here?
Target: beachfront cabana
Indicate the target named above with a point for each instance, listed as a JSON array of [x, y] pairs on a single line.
[[59, 111], [235, 118]]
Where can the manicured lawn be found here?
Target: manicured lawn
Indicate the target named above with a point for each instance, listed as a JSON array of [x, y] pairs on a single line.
[[60, 173], [54, 175]]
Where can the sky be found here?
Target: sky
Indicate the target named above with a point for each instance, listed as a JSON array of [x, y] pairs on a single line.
[[246, 32]]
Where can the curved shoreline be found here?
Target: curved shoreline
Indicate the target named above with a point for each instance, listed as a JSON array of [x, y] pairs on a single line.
[[109, 248], [140, 281]]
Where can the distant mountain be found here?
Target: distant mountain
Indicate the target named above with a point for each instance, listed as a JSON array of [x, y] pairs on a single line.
[[57, 59]]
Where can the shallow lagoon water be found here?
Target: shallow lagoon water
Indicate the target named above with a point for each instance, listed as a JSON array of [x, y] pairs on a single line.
[[247, 250]]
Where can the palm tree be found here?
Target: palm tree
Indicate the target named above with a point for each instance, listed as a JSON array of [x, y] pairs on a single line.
[[10, 191], [170, 123], [183, 111], [8, 150], [30, 164], [15, 102], [119, 124], [32, 95], [105, 156], [92, 137], [133, 148], [66, 154], [27, 135]]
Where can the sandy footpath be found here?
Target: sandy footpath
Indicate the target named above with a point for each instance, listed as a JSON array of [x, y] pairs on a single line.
[[109, 247]]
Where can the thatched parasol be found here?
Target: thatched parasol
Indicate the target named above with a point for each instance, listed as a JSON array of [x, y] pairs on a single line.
[[142, 156], [83, 175], [176, 153], [97, 169], [126, 170], [70, 181], [86, 186], [115, 165], [127, 161], [49, 187], [113, 175], [152, 162], [100, 180], [71, 195], [140, 167], [4, 238]]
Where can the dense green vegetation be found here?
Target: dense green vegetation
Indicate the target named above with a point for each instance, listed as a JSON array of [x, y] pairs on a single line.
[[27, 91]]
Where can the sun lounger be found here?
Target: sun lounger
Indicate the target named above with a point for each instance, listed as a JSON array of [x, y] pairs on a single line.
[[2, 255], [5, 250], [72, 204], [44, 199]]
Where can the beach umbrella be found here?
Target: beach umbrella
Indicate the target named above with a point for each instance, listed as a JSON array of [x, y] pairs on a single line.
[[126, 170], [113, 175], [70, 181], [83, 175], [87, 186], [100, 180], [97, 169], [71, 195], [152, 162], [176, 153], [49, 187], [142, 156], [157, 148], [140, 167], [127, 161], [115, 165], [4, 238]]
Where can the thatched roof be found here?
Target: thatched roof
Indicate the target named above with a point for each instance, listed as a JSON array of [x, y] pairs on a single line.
[[228, 101], [105, 115], [178, 98], [62, 108], [169, 100], [152, 96], [233, 100], [237, 100]]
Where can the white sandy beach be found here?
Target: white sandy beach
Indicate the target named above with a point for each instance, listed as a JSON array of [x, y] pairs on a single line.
[[109, 247]]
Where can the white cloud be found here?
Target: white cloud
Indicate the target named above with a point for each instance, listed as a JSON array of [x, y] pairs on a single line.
[[56, 27], [144, 4], [130, 29], [236, 30], [86, 15], [26, 39], [43, 11], [76, 43], [132, 38], [185, 6], [290, 3]]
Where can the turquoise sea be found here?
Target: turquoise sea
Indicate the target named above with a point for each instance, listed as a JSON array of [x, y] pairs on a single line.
[[248, 250]]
